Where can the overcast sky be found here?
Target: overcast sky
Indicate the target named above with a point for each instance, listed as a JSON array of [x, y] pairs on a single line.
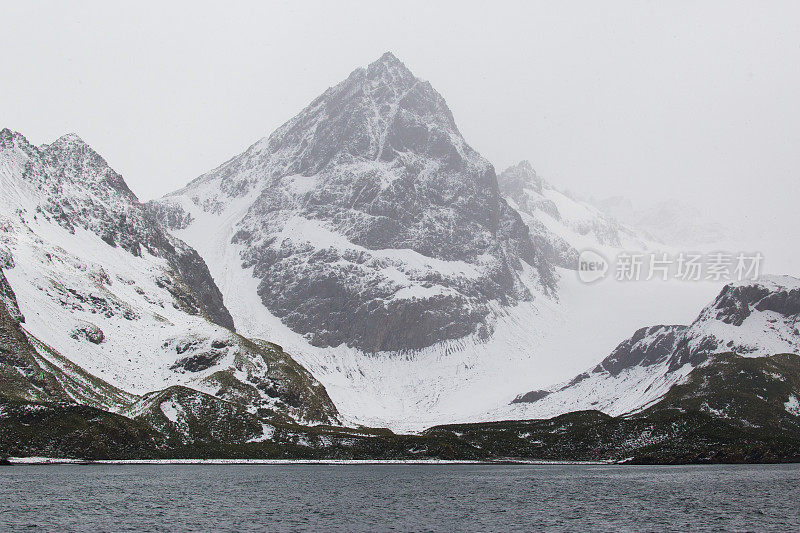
[[644, 99]]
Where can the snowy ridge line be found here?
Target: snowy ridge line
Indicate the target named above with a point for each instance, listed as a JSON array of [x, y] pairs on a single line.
[[564, 224]]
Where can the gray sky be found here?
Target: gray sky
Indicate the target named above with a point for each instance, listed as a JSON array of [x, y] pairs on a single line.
[[645, 99]]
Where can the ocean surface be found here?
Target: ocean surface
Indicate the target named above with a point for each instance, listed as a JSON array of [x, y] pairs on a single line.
[[297, 497]]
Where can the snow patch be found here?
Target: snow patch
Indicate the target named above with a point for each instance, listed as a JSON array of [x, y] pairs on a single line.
[[793, 405], [173, 411]]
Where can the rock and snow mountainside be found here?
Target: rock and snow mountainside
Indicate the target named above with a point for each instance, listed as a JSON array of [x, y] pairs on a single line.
[[20, 374], [367, 220], [752, 319], [562, 225], [68, 184], [731, 409], [371, 242], [99, 297]]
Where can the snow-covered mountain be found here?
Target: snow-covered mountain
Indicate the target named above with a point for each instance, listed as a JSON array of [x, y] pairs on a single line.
[[110, 305], [753, 319], [566, 224], [561, 224], [368, 221], [364, 236], [371, 241]]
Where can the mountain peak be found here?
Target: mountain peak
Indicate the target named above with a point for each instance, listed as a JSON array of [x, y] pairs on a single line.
[[525, 165], [516, 178], [389, 70], [70, 139], [388, 57], [388, 60], [7, 133], [376, 113], [10, 138]]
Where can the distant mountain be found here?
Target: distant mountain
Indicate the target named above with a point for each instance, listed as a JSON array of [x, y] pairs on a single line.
[[671, 222], [99, 304], [752, 319], [367, 221], [566, 224], [561, 224]]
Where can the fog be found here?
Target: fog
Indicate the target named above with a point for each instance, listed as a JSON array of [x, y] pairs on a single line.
[[696, 100]]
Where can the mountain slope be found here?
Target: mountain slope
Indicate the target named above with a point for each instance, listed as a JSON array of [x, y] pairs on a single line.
[[69, 184], [115, 307], [753, 319], [731, 409], [31, 371], [21, 375]]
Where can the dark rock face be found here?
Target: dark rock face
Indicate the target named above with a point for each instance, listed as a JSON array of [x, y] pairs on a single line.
[[332, 313], [6, 258], [202, 290], [170, 216], [79, 189], [530, 397], [733, 304], [514, 180], [786, 303], [647, 347], [198, 362], [89, 332], [370, 179]]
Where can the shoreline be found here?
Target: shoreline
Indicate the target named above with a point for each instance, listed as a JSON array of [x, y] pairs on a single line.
[[12, 461]]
